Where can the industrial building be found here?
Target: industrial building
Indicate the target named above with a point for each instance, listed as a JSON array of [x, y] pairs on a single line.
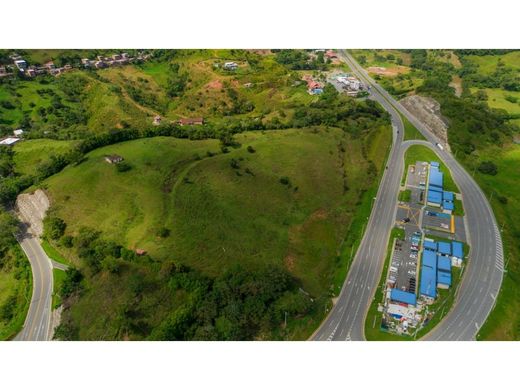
[[405, 297], [457, 253], [436, 196], [428, 285]]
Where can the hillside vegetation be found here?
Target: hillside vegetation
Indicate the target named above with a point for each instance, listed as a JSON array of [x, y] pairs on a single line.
[[284, 199]]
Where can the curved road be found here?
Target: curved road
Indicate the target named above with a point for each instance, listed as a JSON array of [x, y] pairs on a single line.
[[483, 276], [37, 326]]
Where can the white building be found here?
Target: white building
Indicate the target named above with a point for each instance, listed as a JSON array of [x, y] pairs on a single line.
[[9, 141], [230, 66], [18, 133], [21, 64]]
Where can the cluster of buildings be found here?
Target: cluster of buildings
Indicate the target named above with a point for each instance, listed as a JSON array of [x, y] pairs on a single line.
[[11, 140], [100, 62], [437, 260], [436, 196], [346, 83], [313, 87]]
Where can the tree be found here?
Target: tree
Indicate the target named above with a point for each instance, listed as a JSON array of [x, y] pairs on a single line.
[[488, 168], [54, 227], [8, 229]]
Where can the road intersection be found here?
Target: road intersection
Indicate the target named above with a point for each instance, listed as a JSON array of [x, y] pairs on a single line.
[[483, 277]]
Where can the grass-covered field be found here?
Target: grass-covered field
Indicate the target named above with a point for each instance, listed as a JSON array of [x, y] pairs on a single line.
[[29, 154], [289, 200], [504, 321], [488, 63]]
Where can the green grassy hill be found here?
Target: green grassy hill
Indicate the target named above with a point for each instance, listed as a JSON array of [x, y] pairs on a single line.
[[284, 198]]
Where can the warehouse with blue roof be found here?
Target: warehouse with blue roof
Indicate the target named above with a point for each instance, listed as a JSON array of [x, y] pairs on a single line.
[[429, 259], [444, 248], [434, 198], [400, 296], [430, 245], [457, 253], [457, 249], [444, 263], [436, 178], [428, 286], [443, 279]]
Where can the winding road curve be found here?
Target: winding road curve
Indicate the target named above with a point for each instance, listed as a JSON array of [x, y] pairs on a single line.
[[483, 276], [37, 326]]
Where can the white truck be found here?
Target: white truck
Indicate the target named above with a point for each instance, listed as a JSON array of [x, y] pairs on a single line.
[[439, 146]]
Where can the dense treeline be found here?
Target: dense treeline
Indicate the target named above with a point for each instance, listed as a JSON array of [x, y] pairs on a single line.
[[239, 304], [300, 60]]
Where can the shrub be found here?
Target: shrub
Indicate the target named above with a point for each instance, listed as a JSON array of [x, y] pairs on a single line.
[[488, 168], [123, 166], [54, 227], [250, 149]]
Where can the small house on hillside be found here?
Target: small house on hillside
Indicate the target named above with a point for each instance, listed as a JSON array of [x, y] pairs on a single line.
[[113, 159], [18, 133], [190, 121], [331, 54], [140, 252], [8, 141], [157, 120], [231, 66]]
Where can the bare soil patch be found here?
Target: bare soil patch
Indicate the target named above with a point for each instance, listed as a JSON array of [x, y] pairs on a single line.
[[427, 110], [32, 209], [389, 72]]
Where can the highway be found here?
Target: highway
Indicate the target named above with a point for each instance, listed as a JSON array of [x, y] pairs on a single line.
[[38, 321], [483, 275]]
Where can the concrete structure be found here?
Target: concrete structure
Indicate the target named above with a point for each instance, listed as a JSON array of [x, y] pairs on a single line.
[[18, 133]]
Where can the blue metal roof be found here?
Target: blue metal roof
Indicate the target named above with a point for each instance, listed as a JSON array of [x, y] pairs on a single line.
[[403, 296], [443, 263], [428, 282], [447, 205], [429, 259], [434, 197], [444, 248], [434, 164], [457, 249], [447, 195], [431, 245], [444, 278], [436, 178]]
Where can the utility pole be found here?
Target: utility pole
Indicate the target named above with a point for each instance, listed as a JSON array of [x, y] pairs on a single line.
[[285, 322]]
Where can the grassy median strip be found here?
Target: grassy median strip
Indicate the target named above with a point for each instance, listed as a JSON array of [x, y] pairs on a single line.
[[53, 253], [410, 131]]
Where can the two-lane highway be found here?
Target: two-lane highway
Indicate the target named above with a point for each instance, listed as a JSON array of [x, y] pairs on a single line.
[[38, 321], [483, 276]]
